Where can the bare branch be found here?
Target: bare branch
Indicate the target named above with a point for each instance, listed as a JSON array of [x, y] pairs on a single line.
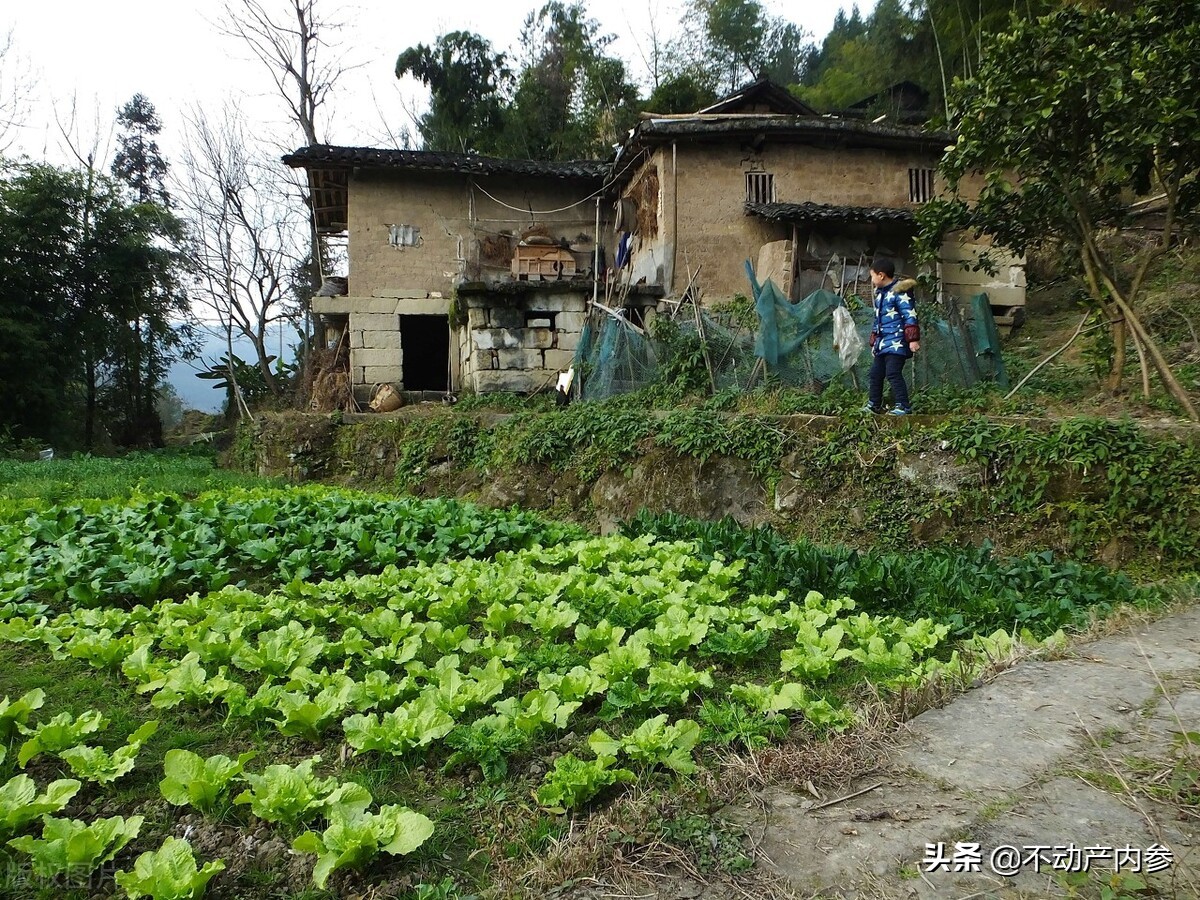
[[248, 241], [16, 89], [294, 50]]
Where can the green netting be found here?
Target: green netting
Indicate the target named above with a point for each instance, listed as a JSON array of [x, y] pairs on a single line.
[[794, 344]]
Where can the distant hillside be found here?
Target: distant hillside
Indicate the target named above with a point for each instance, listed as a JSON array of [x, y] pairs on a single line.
[[201, 394]]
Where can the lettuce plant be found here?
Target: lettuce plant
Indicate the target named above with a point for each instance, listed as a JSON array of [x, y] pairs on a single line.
[[63, 731], [292, 794], [414, 724], [74, 848], [20, 803], [14, 714], [653, 742], [191, 779], [575, 781], [98, 765], [355, 838], [169, 873]]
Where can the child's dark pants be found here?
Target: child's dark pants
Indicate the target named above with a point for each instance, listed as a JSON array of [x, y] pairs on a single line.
[[891, 366]]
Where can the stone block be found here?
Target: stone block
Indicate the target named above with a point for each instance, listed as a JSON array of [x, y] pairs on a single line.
[[372, 306], [477, 318], [433, 306], [559, 303], [567, 340], [483, 359], [497, 338], [520, 359], [398, 294], [506, 317], [775, 263], [507, 380], [356, 340], [381, 340], [374, 322], [570, 321], [559, 360], [383, 375], [538, 338], [375, 357]]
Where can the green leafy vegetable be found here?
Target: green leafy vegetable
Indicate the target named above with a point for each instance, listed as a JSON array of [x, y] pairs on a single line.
[[97, 764], [575, 781], [14, 715], [20, 803], [169, 873], [293, 795], [75, 848], [63, 731], [191, 779], [353, 839]]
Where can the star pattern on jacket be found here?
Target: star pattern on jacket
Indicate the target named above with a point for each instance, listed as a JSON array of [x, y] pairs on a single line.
[[894, 311]]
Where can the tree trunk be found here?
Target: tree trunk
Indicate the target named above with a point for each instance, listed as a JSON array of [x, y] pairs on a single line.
[[89, 415], [260, 348]]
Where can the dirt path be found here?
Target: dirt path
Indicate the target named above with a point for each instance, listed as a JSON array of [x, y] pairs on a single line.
[[1070, 753]]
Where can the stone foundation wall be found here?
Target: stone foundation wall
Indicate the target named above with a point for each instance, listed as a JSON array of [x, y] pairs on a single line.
[[508, 346]]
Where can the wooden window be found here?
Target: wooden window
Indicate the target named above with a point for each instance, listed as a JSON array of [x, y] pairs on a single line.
[[920, 185], [760, 187]]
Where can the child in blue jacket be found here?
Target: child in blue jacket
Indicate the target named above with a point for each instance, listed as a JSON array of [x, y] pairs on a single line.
[[894, 338]]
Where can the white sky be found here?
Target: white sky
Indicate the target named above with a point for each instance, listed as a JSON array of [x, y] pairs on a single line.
[[101, 53]]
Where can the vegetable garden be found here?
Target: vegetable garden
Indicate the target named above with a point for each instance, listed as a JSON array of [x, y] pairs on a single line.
[[383, 691]]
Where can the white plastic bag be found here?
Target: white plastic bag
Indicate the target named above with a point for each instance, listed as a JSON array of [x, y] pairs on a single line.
[[846, 341]]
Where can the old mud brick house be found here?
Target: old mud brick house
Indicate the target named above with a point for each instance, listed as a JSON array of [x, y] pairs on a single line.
[[473, 273]]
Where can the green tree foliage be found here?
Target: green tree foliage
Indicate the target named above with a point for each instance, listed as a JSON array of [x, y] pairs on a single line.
[[467, 82], [79, 260], [39, 209], [145, 336], [726, 43], [1069, 117], [138, 162], [682, 93], [572, 99]]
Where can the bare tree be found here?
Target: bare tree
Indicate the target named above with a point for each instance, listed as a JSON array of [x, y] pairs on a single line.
[[248, 241], [295, 48], [16, 86], [298, 49]]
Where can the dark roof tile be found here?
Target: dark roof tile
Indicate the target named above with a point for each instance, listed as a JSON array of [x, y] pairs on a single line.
[[827, 214], [325, 156]]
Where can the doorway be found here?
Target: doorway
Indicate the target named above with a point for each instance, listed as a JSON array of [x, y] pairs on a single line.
[[425, 342]]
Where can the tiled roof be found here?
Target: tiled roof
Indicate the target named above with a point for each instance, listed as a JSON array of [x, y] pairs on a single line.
[[827, 214], [325, 156], [758, 94]]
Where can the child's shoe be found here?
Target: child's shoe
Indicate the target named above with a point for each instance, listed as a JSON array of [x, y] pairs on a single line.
[[900, 411]]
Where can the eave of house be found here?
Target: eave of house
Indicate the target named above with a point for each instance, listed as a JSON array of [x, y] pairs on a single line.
[[831, 214], [329, 168], [821, 132]]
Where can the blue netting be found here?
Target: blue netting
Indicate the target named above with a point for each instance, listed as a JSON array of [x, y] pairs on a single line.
[[794, 345]]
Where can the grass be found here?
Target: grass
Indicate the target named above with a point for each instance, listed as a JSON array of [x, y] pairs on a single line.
[[95, 478]]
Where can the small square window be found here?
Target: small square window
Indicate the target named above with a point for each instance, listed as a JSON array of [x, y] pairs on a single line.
[[920, 185], [760, 187], [401, 236]]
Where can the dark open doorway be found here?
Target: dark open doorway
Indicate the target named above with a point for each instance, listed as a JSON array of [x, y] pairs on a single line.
[[425, 342]]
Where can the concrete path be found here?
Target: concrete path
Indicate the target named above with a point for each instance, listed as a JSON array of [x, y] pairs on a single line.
[[1015, 764]]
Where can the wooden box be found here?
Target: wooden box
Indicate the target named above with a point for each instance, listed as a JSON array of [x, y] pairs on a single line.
[[542, 263]]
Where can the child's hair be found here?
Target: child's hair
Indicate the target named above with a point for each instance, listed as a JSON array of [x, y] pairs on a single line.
[[885, 265]]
